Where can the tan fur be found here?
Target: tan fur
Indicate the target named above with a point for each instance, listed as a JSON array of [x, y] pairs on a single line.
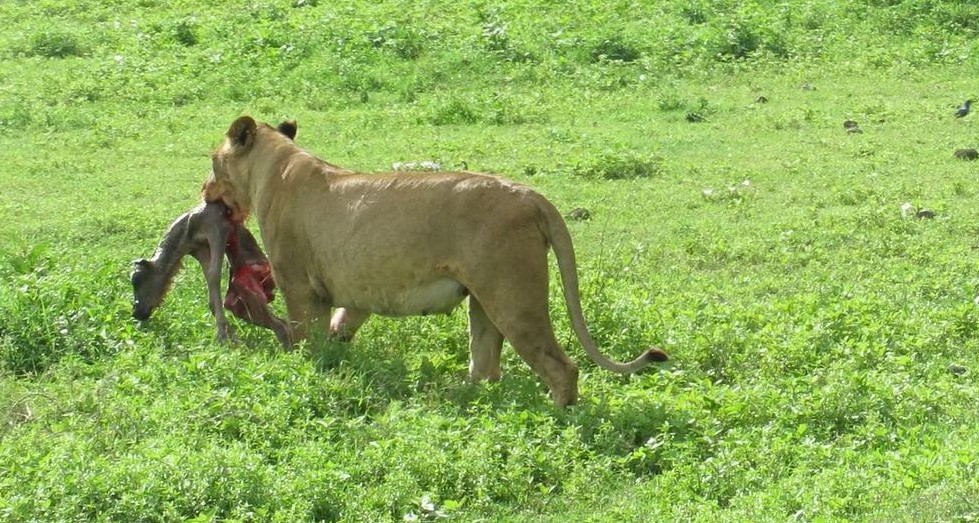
[[408, 244]]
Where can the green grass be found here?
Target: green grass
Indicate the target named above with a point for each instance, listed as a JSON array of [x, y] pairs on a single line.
[[824, 348]]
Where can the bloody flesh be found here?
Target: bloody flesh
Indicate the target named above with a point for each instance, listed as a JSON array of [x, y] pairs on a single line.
[[253, 278]]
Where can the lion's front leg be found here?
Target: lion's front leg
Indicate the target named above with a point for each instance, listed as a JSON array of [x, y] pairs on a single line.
[[305, 308]]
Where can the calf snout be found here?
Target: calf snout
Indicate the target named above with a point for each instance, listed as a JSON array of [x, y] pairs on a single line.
[[141, 312]]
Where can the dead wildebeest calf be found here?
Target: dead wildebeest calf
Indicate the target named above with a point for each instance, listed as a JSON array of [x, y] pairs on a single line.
[[206, 233]]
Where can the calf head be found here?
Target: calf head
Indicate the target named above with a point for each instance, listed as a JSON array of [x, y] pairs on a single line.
[[149, 288]]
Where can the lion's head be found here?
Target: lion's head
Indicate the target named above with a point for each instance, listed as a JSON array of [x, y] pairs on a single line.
[[229, 178]]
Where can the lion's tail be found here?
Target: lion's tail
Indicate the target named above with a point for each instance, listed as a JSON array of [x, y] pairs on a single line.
[[560, 239]]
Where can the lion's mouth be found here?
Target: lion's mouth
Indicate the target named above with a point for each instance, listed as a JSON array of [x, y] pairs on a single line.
[[234, 214]]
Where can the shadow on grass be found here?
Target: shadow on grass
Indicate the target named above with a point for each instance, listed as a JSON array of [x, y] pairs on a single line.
[[366, 377]]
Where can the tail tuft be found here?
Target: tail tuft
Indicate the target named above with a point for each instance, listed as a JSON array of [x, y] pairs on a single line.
[[656, 354]]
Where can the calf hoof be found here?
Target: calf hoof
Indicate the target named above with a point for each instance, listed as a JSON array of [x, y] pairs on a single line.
[[226, 336]]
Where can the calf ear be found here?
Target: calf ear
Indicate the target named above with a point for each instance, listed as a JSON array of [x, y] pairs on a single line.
[[141, 263], [242, 131], [289, 128]]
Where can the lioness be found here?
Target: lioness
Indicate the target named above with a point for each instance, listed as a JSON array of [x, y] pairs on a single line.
[[406, 244]]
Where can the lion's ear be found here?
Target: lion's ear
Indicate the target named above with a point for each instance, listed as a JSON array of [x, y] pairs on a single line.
[[242, 131], [289, 128]]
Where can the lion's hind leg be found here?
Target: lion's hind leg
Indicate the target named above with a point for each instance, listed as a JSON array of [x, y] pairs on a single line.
[[485, 345], [520, 314], [537, 345]]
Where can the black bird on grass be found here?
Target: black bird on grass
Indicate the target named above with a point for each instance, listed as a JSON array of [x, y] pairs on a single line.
[[964, 109]]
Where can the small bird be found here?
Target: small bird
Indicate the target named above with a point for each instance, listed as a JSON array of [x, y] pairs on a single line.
[[966, 154], [580, 214], [964, 109]]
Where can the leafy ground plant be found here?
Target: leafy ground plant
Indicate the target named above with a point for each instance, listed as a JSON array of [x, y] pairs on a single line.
[[823, 339]]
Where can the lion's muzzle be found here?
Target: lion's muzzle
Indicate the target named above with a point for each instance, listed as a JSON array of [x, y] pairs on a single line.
[[211, 190]]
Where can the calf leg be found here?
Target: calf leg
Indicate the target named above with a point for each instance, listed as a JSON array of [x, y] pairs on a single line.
[[211, 261], [254, 309], [281, 329]]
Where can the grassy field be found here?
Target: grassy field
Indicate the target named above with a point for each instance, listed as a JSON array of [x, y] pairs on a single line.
[[824, 339]]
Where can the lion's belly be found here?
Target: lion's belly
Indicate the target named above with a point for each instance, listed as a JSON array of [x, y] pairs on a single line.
[[434, 297]]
